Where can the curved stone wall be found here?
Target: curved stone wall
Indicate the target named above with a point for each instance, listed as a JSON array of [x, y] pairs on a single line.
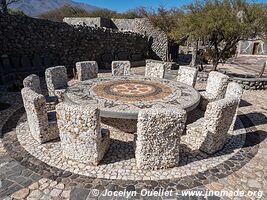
[[29, 45], [158, 41], [248, 82], [251, 83]]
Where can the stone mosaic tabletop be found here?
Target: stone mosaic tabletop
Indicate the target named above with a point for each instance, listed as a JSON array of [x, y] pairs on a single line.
[[124, 96]]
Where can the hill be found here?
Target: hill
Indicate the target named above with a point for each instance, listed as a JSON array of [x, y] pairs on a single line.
[[35, 7]]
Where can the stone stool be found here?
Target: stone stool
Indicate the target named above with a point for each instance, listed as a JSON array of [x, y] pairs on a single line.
[[42, 127], [158, 138], [121, 68], [81, 137], [86, 70]]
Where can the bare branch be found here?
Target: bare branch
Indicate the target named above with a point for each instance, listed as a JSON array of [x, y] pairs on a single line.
[[8, 2]]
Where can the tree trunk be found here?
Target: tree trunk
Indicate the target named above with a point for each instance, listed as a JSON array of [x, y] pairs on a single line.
[[194, 54], [262, 69], [215, 63], [168, 53], [215, 59], [3, 4]]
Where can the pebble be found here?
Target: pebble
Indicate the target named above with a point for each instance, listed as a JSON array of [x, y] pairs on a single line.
[[21, 194], [254, 183], [55, 192]]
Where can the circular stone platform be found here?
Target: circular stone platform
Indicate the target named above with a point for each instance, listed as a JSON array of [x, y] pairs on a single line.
[[124, 97]]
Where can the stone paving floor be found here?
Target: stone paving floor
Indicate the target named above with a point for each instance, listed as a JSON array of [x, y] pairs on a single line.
[[24, 177], [250, 65]]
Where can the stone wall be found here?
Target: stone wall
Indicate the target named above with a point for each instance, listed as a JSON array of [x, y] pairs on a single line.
[[29, 45], [158, 41], [251, 83], [248, 83], [92, 21], [124, 24]]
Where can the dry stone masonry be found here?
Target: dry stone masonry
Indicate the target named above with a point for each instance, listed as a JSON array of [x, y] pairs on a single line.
[[218, 119], [216, 88], [168, 65], [234, 90], [157, 39], [155, 70], [86, 70], [187, 75], [29, 45], [56, 79], [81, 137], [121, 68], [158, 138], [41, 127], [33, 81], [209, 134]]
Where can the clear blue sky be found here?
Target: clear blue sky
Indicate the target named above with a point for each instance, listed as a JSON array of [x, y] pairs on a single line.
[[124, 5]]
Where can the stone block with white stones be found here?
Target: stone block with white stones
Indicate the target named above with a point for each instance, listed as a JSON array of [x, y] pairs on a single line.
[[187, 75], [86, 70], [158, 138], [167, 65], [41, 128], [56, 78], [215, 90], [121, 68], [33, 81], [234, 89], [81, 137], [156, 70], [209, 134]]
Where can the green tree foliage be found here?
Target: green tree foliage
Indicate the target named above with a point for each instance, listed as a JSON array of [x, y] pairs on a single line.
[[16, 12], [69, 11], [65, 11], [221, 24]]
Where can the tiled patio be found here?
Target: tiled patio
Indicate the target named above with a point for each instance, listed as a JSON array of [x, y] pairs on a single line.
[[31, 173]]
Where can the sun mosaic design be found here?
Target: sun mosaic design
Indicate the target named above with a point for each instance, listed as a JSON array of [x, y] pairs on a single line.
[[131, 90]]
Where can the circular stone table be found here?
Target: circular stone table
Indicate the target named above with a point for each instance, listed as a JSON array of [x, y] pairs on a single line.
[[124, 96]]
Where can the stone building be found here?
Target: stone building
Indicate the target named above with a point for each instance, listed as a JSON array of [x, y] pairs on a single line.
[[253, 47]]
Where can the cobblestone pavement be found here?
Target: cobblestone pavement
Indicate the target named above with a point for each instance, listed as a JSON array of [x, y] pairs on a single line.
[[22, 176]]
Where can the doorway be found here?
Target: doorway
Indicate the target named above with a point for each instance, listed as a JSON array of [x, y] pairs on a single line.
[[256, 47]]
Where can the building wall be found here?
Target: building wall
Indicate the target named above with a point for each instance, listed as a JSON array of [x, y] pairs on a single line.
[[29, 45], [124, 24], [248, 47]]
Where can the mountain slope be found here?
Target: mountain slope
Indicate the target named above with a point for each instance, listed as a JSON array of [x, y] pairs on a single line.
[[35, 7]]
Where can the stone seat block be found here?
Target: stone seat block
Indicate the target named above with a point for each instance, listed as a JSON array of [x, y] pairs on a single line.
[[82, 138], [158, 138], [209, 134], [215, 90], [42, 127]]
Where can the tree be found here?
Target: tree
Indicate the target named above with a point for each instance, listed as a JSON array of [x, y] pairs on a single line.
[[68, 11], [65, 11], [4, 5], [221, 24]]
